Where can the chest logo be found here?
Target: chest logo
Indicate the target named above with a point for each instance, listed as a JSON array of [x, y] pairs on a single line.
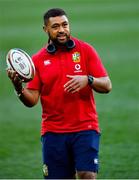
[[77, 68], [76, 57], [47, 62]]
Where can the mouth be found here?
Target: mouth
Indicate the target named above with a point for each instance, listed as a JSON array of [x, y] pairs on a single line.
[[62, 37]]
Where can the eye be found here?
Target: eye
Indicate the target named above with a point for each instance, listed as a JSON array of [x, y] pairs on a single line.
[[55, 26], [65, 24]]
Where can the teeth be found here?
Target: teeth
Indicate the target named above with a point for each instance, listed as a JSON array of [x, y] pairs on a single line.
[[62, 35]]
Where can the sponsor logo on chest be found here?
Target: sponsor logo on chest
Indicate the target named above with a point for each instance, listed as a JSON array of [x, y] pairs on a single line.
[[76, 58]]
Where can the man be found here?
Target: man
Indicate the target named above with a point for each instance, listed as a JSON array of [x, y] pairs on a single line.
[[67, 70]]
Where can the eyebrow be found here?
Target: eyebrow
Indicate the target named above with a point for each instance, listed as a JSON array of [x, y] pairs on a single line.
[[60, 23]]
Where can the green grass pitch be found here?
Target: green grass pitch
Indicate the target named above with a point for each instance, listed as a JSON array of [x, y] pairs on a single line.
[[112, 27]]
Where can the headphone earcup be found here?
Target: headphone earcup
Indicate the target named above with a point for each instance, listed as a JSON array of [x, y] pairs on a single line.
[[70, 44], [51, 48]]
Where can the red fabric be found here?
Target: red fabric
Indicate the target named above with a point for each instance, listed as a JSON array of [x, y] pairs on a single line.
[[64, 112]]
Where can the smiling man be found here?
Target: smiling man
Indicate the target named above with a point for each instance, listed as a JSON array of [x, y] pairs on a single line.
[[57, 29], [67, 72]]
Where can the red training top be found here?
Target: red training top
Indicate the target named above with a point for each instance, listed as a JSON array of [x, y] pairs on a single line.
[[61, 111]]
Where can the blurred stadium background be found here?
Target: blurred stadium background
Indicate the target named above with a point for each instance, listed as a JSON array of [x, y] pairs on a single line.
[[112, 27]]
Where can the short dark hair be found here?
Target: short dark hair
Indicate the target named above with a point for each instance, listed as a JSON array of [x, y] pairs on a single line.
[[53, 13]]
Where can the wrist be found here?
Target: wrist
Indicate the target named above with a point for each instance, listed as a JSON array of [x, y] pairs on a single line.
[[19, 92], [90, 80], [18, 88]]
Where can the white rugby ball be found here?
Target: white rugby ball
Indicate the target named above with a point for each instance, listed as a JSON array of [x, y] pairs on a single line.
[[19, 61]]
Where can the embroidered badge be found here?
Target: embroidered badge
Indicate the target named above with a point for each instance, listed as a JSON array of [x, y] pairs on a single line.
[[45, 170], [95, 161], [76, 57], [47, 62]]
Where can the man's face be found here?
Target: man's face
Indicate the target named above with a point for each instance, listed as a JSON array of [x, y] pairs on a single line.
[[58, 29]]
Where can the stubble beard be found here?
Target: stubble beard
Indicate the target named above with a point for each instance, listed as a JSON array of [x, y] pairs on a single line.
[[56, 40]]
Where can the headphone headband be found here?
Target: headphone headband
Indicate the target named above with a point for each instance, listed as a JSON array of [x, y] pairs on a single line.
[[51, 48]]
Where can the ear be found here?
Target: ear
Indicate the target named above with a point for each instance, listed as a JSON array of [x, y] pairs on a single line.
[[45, 28]]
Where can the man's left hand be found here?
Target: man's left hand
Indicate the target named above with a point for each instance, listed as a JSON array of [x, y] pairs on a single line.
[[76, 83]]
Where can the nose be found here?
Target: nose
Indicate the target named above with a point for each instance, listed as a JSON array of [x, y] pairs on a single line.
[[61, 29]]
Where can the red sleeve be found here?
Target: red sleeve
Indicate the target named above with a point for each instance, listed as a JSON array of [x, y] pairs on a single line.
[[35, 83], [95, 66]]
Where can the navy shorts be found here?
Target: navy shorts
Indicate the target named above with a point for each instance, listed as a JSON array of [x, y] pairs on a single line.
[[66, 153]]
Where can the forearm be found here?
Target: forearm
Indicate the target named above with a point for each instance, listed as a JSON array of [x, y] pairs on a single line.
[[102, 85], [78, 82], [28, 97]]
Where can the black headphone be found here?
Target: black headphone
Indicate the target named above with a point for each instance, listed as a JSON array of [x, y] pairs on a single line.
[[51, 48]]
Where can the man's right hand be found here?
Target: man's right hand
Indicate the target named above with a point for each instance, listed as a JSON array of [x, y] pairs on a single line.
[[27, 96], [15, 79]]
